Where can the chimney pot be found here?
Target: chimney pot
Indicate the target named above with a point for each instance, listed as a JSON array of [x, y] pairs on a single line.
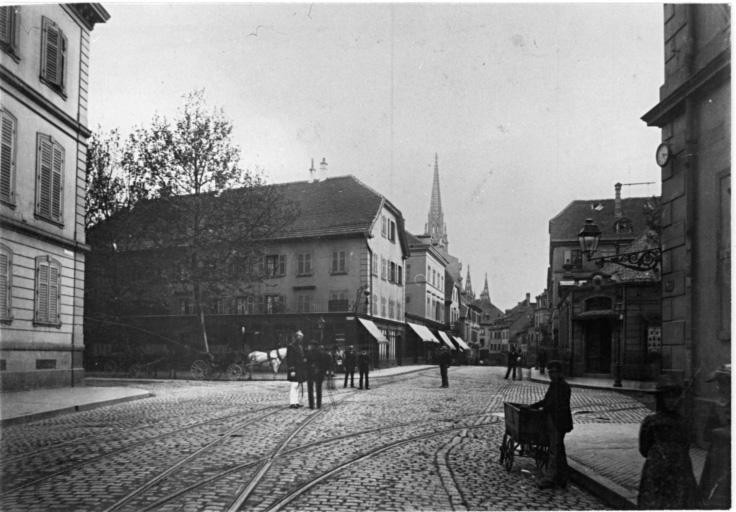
[[617, 205], [323, 169], [312, 172]]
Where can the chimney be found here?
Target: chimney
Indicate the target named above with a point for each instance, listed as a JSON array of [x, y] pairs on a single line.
[[528, 297], [312, 172], [617, 206], [323, 169]]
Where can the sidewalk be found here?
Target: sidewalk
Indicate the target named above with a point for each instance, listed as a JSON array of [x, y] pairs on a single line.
[[603, 458]]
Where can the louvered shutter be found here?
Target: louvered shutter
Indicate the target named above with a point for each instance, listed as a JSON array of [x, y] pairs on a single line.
[[42, 291], [54, 291], [6, 32], [7, 157], [282, 264], [56, 181], [52, 46], [45, 176], [4, 285]]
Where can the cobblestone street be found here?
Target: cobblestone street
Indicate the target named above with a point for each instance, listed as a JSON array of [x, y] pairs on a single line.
[[405, 444]]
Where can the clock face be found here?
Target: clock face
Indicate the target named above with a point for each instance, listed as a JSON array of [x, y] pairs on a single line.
[[663, 155]]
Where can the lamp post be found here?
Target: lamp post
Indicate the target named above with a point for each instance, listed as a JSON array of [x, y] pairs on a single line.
[[617, 363], [589, 237]]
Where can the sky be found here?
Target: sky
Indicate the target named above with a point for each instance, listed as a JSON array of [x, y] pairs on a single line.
[[527, 106]]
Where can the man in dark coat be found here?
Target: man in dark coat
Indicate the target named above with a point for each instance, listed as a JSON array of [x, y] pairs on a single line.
[[296, 373], [556, 406], [445, 361], [511, 363], [350, 367], [542, 361], [318, 364], [364, 366]]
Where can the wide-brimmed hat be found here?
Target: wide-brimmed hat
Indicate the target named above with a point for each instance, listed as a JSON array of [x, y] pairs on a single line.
[[723, 372], [667, 382]]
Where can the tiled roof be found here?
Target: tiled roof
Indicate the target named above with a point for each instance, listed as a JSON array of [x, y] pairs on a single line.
[[566, 224], [334, 206]]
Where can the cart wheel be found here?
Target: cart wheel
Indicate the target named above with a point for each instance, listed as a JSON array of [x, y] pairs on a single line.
[[214, 373], [502, 448], [509, 459], [234, 372], [541, 456], [135, 370], [111, 367], [199, 369]]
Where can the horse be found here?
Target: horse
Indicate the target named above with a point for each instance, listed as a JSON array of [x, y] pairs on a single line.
[[272, 357]]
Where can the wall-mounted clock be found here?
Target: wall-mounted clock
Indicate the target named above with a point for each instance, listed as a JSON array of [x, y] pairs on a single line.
[[664, 154]]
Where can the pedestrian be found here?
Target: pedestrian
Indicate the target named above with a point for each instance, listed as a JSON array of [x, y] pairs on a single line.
[[318, 364], [715, 482], [667, 478], [445, 362], [542, 361], [364, 366], [296, 364], [558, 418], [511, 363], [350, 362]]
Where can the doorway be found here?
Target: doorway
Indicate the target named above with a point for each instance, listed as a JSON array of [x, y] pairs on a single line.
[[598, 344]]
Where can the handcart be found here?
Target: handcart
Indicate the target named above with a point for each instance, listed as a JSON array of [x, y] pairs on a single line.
[[526, 435]]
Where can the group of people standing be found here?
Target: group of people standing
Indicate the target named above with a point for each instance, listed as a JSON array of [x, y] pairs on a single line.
[[311, 363]]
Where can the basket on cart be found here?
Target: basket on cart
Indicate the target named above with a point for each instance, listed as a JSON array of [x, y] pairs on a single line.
[[525, 436]]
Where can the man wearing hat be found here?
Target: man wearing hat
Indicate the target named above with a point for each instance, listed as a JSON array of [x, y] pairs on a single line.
[[445, 360], [296, 364], [364, 367], [349, 367], [556, 406]]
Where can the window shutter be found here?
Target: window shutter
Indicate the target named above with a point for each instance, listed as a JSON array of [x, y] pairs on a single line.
[[52, 46], [45, 178], [42, 304], [4, 285], [5, 27], [54, 294], [282, 265], [56, 181], [7, 157]]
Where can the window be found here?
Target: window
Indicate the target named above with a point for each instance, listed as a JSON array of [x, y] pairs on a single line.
[[185, 307], [374, 269], [7, 157], [391, 306], [275, 265], [623, 226], [245, 305], [374, 304], [383, 306], [338, 262], [272, 304], [383, 226], [392, 231], [304, 264], [304, 303], [48, 291], [398, 310], [9, 29], [398, 274], [49, 178], [392, 273], [6, 282], [383, 268], [53, 56]]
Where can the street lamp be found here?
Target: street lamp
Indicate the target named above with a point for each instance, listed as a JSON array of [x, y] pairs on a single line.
[[321, 325], [589, 237]]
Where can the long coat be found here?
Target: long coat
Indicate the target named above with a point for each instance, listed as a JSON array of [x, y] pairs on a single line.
[[556, 404], [296, 359], [350, 360], [318, 363]]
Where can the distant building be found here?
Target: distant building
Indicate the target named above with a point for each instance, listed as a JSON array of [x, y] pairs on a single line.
[[44, 80], [694, 114]]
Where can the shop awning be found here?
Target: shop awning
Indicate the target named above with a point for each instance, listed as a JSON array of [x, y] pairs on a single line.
[[424, 333], [460, 342], [446, 340], [375, 332]]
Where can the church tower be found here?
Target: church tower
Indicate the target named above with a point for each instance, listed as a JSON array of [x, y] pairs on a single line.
[[469, 293], [435, 226], [485, 295]]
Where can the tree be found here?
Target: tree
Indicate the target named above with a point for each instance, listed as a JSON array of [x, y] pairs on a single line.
[[104, 184], [197, 222]]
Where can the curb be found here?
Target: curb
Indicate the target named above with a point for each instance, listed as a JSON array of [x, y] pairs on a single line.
[[607, 490]]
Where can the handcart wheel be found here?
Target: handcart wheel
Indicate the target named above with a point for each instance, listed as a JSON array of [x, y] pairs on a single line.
[[199, 369], [541, 456], [503, 449], [509, 459], [234, 372], [135, 370]]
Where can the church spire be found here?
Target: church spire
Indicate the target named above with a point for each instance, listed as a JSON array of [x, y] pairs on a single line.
[[485, 295], [435, 226], [469, 287]]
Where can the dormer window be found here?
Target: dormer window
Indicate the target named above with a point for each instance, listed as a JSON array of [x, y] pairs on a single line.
[[623, 226]]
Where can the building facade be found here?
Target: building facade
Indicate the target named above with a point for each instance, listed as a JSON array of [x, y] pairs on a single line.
[[694, 114], [44, 81]]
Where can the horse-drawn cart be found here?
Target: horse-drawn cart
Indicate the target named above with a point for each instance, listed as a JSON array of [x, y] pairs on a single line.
[[209, 368], [525, 435]]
